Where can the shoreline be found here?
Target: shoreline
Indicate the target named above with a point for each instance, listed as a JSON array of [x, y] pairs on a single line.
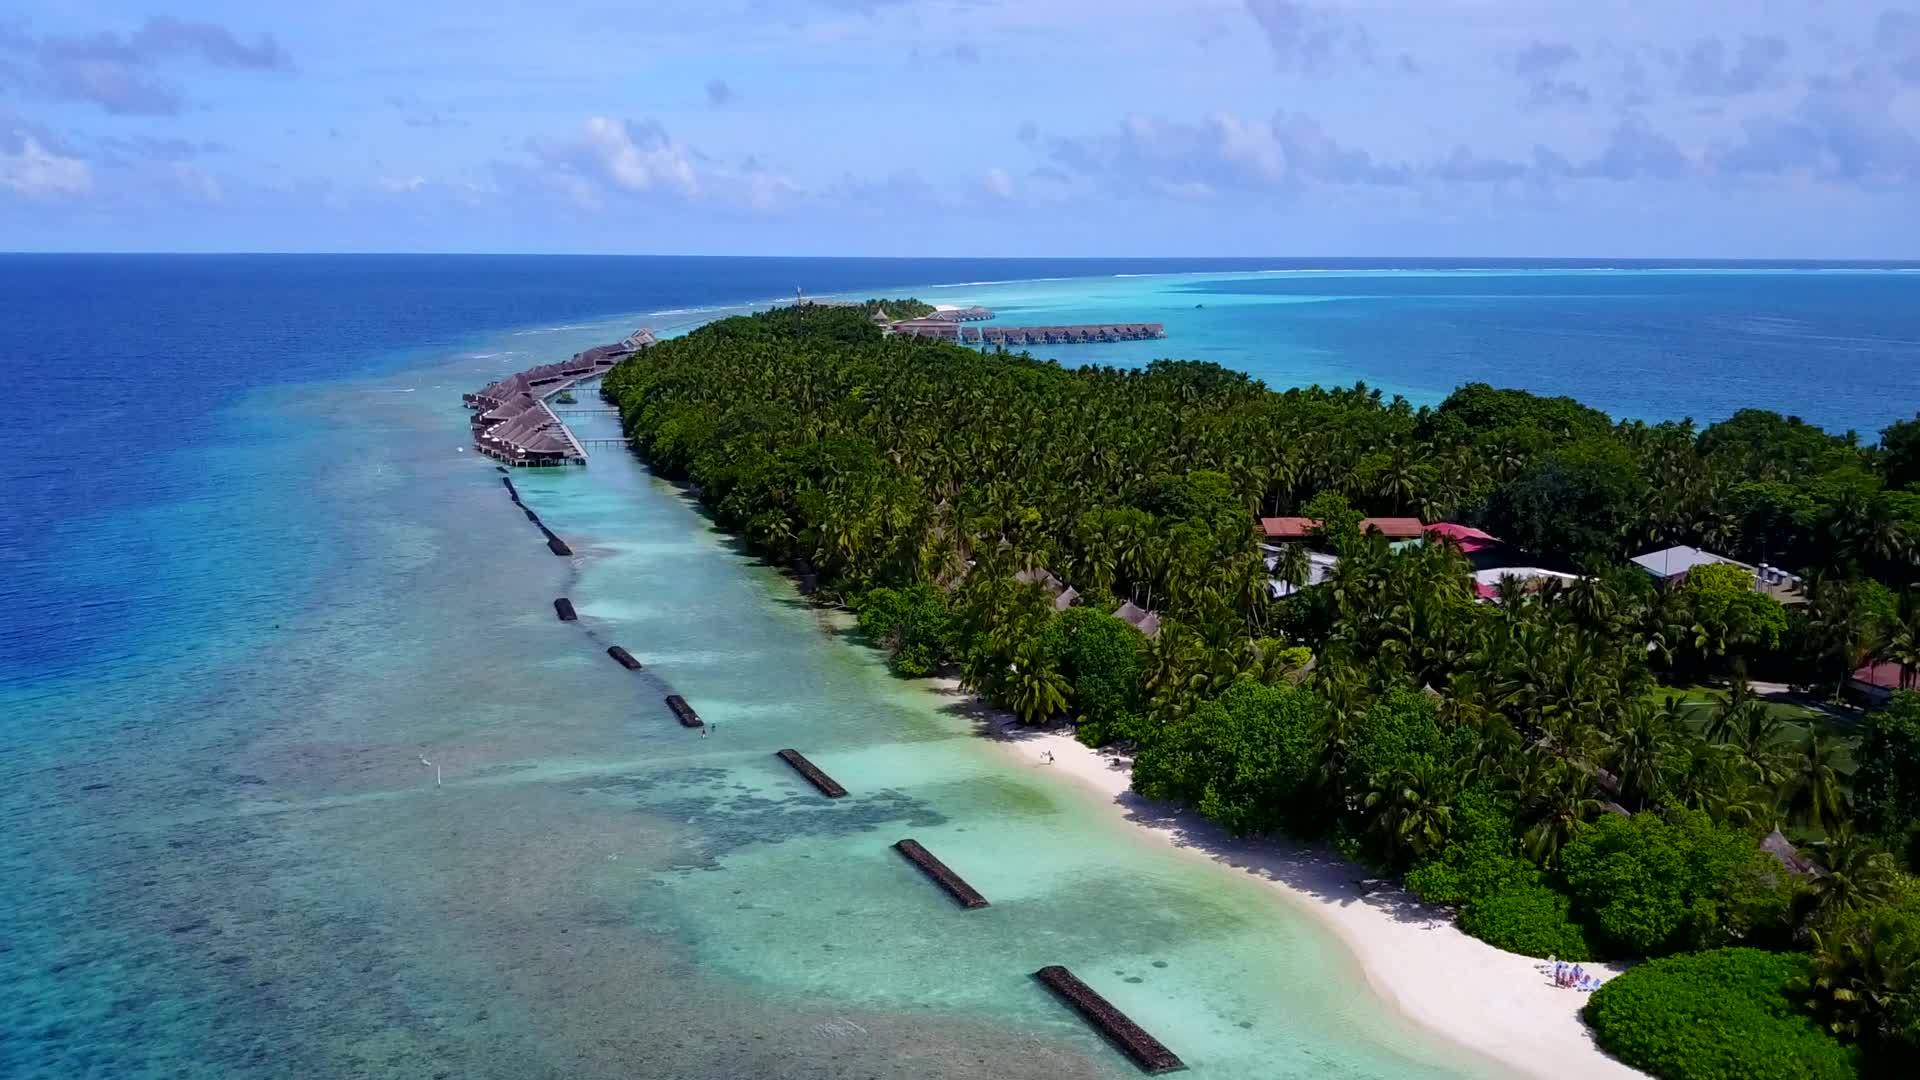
[[1500, 1005]]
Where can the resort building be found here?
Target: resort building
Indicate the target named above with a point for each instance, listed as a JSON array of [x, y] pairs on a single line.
[[939, 329], [1486, 583], [1319, 567], [1468, 539], [1067, 335], [1139, 618], [1670, 566], [512, 421], [1296, 529], [1064, 595]]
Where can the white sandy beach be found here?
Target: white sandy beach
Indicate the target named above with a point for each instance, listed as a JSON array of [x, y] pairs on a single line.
[[1494, 1002]]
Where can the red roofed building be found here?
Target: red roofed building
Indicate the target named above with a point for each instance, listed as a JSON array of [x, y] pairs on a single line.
[[1288, 528], [1465, 537], [1394, 528], [1300, 528]]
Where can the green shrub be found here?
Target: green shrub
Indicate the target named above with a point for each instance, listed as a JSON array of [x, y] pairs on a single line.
[[1247, 760], [1718, 1015], [1651, 885], [1100, 656], [914, 625], [1532, 920], [1480, 859]]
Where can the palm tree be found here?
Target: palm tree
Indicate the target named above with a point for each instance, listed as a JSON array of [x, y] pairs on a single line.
[[1641, 754], [1845, 630], [1400, 479], [1558, 810], [1757, 744], [1855, 873], [1294, 566], [1817, 797], [1412, 807], [1037, 689], [1863, 979], [1902, 644]]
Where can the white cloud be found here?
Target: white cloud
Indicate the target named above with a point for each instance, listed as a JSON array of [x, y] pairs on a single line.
[[637, 157], [196, 182], [609, 159], [27, 166]]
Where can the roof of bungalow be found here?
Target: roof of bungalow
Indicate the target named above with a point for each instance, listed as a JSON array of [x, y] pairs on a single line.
[[1138, 617], [1394, 528], [1674, 561], [1466, 537], [508, 409], [1318, 568], [1288, 528], [1064, 595], [1486, 583], [1300, 528], [1037, 576], [1777, 845]]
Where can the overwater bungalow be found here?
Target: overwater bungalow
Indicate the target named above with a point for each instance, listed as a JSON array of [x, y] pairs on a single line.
[[1064, 335], [512, 422], [940, 329], [965, 314]]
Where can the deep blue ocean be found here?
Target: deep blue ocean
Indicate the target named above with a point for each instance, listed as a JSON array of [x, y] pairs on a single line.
[[247, 575]]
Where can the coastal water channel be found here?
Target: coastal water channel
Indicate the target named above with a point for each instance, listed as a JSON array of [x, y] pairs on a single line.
[[257, 875]]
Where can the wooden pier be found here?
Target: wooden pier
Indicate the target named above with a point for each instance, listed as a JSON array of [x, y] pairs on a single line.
[[684, 711], [827, 785], [622, 656], [967, 895], [1147, 1052], [563, 607]]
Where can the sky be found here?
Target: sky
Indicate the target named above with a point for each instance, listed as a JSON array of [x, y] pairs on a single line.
[[1572, 128]]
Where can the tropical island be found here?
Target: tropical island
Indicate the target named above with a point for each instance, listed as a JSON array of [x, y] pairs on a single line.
[[1545, 667]]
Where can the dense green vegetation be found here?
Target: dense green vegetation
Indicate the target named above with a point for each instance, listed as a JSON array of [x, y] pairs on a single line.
[[1719, 1015], [899, 309], [1514, 760]]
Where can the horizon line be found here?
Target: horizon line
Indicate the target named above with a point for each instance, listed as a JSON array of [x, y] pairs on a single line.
[[1677, 259]]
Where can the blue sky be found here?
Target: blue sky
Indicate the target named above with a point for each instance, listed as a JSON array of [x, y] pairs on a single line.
[[966, 127]]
